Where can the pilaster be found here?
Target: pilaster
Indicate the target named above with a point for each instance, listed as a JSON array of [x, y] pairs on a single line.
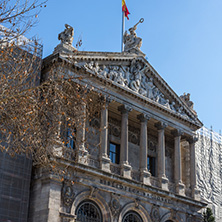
[[195, 192], [104, 159], [81, 136]]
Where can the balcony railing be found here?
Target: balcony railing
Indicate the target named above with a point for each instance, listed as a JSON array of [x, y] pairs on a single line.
[[93, 162], [115, 168], [135, 175], [154, 181]]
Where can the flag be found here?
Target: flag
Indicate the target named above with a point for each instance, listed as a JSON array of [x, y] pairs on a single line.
[[125, 9]]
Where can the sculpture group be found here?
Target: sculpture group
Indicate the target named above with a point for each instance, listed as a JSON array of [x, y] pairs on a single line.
[[134, 78]]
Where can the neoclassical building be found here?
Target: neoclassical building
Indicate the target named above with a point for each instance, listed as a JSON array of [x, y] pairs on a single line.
[[139, 165]]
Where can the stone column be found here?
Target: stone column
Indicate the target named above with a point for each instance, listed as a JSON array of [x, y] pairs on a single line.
[[161, 155], [125, 167], [144, 173], [81, 135], [104, 159], [180, 188], [193, 181]]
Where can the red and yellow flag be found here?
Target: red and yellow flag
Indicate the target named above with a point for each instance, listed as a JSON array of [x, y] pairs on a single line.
[[125, 9]]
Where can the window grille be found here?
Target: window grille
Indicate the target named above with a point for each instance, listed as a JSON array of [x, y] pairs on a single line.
[[88, 212], [132, 217]]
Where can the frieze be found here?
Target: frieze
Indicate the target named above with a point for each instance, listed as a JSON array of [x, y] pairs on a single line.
[[122, 187], [135, 77]]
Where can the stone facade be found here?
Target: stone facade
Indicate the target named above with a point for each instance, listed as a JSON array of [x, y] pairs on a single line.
[[140, 162]]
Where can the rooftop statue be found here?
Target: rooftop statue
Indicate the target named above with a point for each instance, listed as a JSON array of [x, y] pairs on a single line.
[[132, 43], [66, 36], [186, 99]]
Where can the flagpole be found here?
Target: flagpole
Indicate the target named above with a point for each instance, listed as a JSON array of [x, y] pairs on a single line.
[[123, 28]]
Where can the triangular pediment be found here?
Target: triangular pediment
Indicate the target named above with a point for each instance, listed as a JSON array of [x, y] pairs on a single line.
[[136, 75]]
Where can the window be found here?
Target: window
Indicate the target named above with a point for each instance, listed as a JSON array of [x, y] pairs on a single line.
[[71, 138], [114, 152], [88, 211], [132, 217], [151, 165]]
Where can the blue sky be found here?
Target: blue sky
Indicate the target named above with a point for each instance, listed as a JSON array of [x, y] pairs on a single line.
[[181, 39]]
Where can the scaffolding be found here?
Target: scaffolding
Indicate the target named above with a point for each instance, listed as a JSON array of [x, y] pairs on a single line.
[[209, 168]]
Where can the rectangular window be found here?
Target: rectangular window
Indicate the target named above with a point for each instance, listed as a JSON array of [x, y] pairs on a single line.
[[151, 165], [114, 152], [71, 138]]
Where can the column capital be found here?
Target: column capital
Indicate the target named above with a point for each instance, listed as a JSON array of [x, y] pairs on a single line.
[[160, 125], [143, 117], [177, 132], [124, 109], [192, 139], [106, 100]]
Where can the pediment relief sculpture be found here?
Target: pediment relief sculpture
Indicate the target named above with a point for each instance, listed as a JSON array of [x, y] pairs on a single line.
[[135, 78]]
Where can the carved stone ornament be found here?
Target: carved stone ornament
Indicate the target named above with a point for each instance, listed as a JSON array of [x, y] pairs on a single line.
[[115, 204], [135, 78], [132, 43], [67, 194], [95, 123], [93, 192], [189, 218], [133, 138], [155, 214], [152, 145], [115, 131], [137, 203]]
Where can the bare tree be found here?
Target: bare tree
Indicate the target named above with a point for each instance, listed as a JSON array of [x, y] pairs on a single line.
[[35, 117]]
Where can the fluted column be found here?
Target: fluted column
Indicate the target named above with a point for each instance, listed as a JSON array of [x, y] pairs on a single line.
[[144, 173], [180, 188], [125, 167], [161, 155], [193, 180], [104, 159]]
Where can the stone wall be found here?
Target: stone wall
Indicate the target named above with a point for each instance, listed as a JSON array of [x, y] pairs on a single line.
[[209, 169]]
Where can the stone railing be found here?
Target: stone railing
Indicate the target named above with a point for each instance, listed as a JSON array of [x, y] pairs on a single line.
[[172, 187], [115, 168], [154, 181], [135, 175], [91, 161], [188, 192], [69, 153]]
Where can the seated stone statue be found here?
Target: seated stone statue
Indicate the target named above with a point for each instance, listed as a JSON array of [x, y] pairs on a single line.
[[66, 36], [132, 43]]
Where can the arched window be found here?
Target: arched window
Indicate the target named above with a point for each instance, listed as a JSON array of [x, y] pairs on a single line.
[[87, 211], [132, 216]]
